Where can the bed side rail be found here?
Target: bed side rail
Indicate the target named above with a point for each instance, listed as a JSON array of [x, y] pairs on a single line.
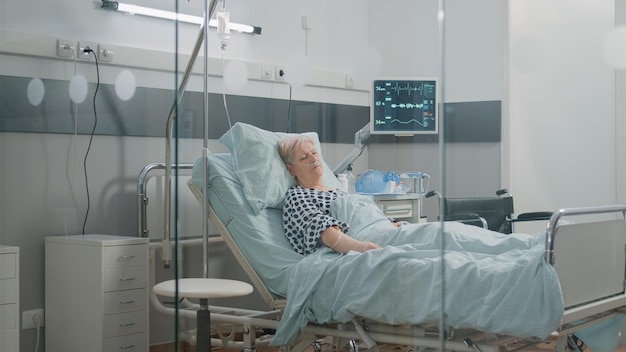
[[556, 216], [142, 199]]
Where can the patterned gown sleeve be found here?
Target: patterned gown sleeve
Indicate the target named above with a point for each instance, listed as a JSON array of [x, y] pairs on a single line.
[[306, 218]]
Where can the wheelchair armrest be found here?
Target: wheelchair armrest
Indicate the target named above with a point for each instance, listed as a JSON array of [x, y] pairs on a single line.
[[533, 216], [468, 219]]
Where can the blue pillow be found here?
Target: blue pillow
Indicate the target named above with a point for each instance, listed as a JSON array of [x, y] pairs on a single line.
[[258, 165]]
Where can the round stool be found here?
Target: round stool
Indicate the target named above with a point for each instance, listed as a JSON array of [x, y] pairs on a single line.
[[203, 289]]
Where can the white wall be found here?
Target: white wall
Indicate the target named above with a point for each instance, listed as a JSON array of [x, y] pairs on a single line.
[[562, 122], [329, 43]]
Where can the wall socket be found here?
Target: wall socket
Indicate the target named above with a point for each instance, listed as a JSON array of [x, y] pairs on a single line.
[[105, 54], [28, 318], [65, 48], [267, 72], [81, 54], [280, 73]]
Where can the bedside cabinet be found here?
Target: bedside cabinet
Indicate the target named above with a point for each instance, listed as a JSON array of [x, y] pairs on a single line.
[[9, 299], [96, 293], [402, 206]]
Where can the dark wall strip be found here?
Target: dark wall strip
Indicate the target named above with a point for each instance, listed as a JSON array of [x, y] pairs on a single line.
[[146, 114]]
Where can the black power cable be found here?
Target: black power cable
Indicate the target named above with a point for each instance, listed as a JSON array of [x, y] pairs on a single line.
[[95, 123]]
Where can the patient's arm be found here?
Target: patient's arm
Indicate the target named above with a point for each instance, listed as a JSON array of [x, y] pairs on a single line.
[[342, 243]]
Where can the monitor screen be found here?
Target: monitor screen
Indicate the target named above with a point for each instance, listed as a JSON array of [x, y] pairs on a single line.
[[404, 106]]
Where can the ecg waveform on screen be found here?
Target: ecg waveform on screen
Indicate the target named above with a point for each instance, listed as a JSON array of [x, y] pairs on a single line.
[[424, 89], [421, 123], [401, 105]]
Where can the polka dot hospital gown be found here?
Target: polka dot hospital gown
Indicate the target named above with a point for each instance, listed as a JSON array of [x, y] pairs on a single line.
[[306, 214]]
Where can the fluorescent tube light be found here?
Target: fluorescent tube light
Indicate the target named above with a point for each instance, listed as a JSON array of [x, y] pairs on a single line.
[[173, 16]]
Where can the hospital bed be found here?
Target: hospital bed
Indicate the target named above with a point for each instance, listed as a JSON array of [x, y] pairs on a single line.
[[576, 250]]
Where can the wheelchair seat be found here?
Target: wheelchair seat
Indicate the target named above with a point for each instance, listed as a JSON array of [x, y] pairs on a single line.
[[494, 213]]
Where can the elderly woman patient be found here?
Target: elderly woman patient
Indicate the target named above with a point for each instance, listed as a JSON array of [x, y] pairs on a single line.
[[310, 224], [306, 218]]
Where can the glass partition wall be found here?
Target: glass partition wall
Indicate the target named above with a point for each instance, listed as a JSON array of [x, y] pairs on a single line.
[[107, 108]]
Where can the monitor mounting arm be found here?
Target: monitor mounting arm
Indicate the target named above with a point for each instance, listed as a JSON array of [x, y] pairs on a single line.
[[360, 142]]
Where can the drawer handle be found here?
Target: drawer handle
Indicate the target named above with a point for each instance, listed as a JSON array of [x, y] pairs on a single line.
[[125, 257], [127, 279], [125, 325], [128, 302], [396, 211], [127, 347]]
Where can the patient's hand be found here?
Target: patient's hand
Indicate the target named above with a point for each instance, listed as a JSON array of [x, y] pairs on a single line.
[[365, 246], [400, 223], [352, 244], [342, 243]]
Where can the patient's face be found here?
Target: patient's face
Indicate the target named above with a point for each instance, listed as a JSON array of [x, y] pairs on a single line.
[[306, 164]]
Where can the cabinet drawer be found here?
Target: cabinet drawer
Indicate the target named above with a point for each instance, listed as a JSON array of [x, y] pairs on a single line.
[[395, 205], [8, 340], [124, 324], [128, 343], [125, 256], [8, 266], [8, 291], [125, 301], [8, 315], [125, 278], [396, 208]]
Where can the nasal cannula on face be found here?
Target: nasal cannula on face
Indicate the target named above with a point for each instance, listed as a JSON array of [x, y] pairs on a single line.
[[312, 164]]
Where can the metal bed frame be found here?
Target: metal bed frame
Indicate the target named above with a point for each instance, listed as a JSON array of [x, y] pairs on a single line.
[[374, 335], [255, 327]]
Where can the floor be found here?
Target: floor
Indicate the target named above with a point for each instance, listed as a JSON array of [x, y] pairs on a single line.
[[544, 347]]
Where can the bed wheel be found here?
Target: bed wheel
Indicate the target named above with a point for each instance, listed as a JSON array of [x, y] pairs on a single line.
[[575, 344], [317, 346], [351, 346]]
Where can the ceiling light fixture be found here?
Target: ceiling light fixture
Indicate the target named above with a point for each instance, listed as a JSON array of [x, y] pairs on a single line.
[[169, 15]]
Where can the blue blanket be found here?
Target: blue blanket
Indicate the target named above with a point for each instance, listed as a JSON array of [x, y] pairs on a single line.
[[491, 282]]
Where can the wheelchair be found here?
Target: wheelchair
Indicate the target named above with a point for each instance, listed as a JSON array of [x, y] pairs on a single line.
[[493, 213]]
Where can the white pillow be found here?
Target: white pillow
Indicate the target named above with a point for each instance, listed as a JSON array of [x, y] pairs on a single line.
[[258, 165]]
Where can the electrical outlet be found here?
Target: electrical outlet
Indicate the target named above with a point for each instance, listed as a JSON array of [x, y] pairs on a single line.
[[349, 82], [105, 54], [82, 46], [65, 48], [28, 318], [267, 72], [280, 73], [308, 22]]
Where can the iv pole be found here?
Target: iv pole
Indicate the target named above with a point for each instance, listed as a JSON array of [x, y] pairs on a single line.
[[203, 331], [167, 243]]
